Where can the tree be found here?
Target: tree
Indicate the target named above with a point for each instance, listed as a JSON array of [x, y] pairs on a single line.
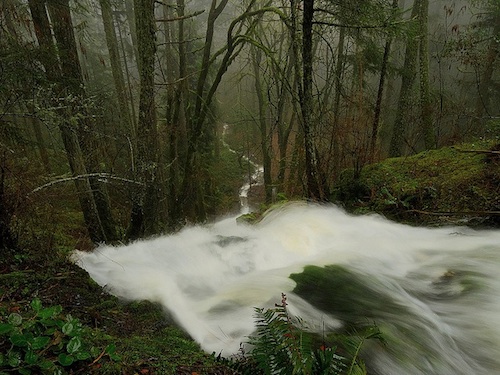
[[408, 74], [63, 70], [423, 53], [315, 188], [144, 216], [116, 65]]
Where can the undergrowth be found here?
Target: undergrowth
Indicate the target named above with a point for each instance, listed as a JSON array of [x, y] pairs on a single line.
[[282, 344]]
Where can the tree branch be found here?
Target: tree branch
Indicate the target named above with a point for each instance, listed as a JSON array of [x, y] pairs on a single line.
[[84, 176], [195, 14]]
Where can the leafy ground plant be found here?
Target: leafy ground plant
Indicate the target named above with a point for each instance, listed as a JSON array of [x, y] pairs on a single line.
[[282, 345], [43, 340]]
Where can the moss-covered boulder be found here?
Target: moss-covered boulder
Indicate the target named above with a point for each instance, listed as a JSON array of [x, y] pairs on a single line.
[[348, 296], [449, 185]]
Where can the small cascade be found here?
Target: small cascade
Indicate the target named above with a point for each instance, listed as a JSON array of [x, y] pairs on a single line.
[[252, 179]]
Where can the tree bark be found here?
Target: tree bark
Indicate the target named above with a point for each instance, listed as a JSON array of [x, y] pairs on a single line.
[[425, 101], [407, 80], [483, 101], [72, 81], [48, 58], [315, 189], [264, 136], [116, 65], [144, 216], [380, 92]]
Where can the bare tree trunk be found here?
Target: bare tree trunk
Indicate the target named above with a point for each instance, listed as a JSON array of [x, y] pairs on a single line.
[[193, 200], [380, 92], [264, 135]]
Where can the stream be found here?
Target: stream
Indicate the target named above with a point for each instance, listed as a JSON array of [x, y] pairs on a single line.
[[433, 292]]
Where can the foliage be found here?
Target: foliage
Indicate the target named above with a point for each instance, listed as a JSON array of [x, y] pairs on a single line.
[[44, 341], [283, 345]]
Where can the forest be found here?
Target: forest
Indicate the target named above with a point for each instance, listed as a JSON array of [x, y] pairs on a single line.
[[120, 106], [126, 119]]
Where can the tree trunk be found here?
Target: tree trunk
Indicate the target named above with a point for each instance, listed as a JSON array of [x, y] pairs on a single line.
[[116, 65], [380, 92], [48, 58], [334, 150], [264, 136], [72, 81], [407, 80], [315, 189], [425, 101], [144, 216], [484, 97]]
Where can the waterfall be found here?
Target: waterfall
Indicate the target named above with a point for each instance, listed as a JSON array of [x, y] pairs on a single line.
[[433, 292]]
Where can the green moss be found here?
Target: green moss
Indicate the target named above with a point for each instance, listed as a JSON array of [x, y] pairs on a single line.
[[336, 290], [451, 179]]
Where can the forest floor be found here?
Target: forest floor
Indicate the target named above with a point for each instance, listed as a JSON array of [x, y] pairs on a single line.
[[138, 337], [143, 338]]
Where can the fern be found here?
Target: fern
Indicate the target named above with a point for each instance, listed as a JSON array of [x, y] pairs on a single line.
[[282, 346]]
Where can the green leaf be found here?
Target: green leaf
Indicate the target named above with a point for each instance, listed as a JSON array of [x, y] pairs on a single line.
[[65, 360], [5, 328], [24, 371], [13, 358], [110, 350], [49, 312], [30, 357], [67, 328], [74, 345], [36, 305], [45, 364], [15, 319], [40, 342], [82, 356], [19, 340]]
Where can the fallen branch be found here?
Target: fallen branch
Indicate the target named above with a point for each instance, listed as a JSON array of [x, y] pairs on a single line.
[[490, 152], [84, 176], [456, 213]]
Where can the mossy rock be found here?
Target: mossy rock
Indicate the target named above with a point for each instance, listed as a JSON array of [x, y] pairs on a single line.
[[346, 295], [454, 185]]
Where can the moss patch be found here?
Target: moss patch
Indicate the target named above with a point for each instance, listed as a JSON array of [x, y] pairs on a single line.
[[337, 291], [436, 186]]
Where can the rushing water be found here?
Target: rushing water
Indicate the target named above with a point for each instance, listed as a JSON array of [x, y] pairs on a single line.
[[443, 284]]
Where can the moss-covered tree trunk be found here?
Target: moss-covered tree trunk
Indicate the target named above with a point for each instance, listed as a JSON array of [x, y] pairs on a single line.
[[483, 102], [116, 65], [52, 62], [144, 215], [408, 75], [72, 81], [425, 100]]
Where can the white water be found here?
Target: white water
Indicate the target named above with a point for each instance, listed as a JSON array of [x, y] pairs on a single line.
[[210, 278]]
